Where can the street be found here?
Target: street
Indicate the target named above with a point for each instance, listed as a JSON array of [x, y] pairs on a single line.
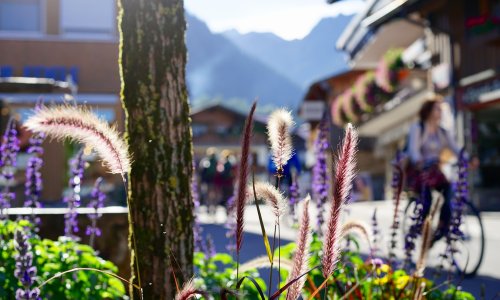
[[488, 275]]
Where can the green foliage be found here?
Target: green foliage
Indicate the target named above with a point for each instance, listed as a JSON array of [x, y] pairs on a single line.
[[218, 272], [363, 280], [53, 257]]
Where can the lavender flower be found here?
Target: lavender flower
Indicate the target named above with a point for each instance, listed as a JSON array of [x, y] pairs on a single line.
[[197, 230], [417, 220], [294, 197], [25, 271], [8, 156], [230, 225], [77, 165], [457, 205], [397, 187], [375, 233], [33, 185], [97, 201], [210, 247], [320, 174]]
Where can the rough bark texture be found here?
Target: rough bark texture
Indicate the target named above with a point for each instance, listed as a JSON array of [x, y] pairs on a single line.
[[154, 96]]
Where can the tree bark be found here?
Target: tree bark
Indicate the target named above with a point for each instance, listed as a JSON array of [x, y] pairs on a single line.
[[154, 97]]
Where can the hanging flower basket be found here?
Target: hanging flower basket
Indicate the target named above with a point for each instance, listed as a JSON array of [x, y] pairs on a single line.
[[338, 116], [365, 90], [350, 107], [387, 72]]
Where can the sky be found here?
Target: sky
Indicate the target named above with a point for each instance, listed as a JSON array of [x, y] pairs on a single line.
[[289, 19]]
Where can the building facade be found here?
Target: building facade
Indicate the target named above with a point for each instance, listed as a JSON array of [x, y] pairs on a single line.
[[449, 48], [73, 41]]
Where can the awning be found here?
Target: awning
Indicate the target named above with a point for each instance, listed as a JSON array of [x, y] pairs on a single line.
[[398, 116], [396, 34]]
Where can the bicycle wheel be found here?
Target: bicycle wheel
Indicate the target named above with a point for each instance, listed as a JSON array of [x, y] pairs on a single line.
[[469, 248], [438, 248]]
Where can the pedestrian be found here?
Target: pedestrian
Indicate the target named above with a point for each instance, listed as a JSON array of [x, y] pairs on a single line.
[[208, 172], [427, 140]]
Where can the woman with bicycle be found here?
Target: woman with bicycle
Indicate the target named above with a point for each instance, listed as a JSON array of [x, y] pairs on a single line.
[[426, 142]]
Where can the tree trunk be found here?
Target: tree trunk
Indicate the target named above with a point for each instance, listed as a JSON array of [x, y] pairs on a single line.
[[154, 97]]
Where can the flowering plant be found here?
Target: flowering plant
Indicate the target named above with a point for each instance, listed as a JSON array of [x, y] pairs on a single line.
[[46, 259]]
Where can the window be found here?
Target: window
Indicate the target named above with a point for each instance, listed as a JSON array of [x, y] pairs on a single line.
[[199, 129], [20, 15], [88, 17]]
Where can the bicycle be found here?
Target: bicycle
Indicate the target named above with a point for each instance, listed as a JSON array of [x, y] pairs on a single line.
[[468, 243]]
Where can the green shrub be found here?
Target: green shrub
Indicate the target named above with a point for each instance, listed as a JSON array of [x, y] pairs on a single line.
[[53, 257]]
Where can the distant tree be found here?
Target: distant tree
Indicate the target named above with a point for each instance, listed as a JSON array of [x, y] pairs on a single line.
[[154, 97]]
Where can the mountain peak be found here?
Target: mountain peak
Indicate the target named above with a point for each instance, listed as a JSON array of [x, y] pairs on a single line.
[[303, 60]]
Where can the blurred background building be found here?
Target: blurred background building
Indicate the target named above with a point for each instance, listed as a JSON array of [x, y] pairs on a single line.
[[49, 49], [414, 48]]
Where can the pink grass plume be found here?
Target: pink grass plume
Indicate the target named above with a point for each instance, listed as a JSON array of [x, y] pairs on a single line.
[[83, 126], [343, 175], [301, 256], [241, 192], [271, 196], [188, 291]]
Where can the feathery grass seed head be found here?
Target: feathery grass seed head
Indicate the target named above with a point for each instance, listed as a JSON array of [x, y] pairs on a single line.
[[272, 196], [278, 129], [83, 126]]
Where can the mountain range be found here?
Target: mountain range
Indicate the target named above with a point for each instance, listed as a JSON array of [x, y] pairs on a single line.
[[236, 68]]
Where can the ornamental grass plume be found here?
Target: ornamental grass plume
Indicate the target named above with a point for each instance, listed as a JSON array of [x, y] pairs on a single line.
[[188, 291], [272, 197], [301, 256], [278, 130], [427, 235], [83, 126], [362, 228], [241, 192], [344, 172]]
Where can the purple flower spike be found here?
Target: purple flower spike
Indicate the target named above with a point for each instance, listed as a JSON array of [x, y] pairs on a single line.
[[8, 157], [97, 201], [73, 200], [320, 173], [457, 205], [210, 247], [33, 186], [231, 225], [375, 233], [25, 271], [294, 197], [197, 230]]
